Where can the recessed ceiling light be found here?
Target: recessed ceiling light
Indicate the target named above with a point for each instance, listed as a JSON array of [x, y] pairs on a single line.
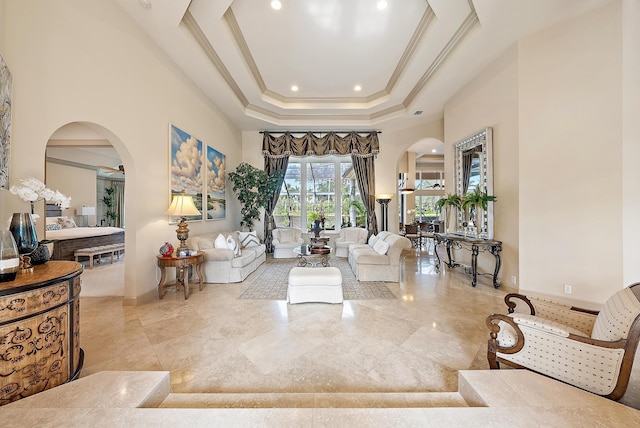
[[357, 88], [276, 5], [381, 5], [433, 150], [294, 88]]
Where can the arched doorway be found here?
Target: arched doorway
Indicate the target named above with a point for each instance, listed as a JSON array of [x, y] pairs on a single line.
[[82, 163]]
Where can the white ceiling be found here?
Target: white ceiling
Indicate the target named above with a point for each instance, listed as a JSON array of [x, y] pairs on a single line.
[[412, 56]]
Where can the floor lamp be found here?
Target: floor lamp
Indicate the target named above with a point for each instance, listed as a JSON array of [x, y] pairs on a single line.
[[383, 200]]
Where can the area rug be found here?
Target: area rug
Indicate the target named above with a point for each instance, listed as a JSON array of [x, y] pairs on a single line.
[[271, 283]]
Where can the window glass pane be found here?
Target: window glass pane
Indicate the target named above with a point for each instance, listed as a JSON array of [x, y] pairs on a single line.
[[353, 211], [321, 193], [289, 208], [426, 208]]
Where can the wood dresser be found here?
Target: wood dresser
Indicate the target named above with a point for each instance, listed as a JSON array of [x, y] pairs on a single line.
[[40, 330]]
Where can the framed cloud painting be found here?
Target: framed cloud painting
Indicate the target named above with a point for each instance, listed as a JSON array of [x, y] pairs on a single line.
[[186, 171], [216, 193]]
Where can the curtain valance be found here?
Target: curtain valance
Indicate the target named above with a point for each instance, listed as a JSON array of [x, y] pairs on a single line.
[[310, 144]]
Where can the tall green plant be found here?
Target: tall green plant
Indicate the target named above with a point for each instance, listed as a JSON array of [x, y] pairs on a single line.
[[108, 201], [254, 188], [477, 199]]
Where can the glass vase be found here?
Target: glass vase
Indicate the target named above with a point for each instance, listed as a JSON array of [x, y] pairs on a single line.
[[9, 257], [23, 230]]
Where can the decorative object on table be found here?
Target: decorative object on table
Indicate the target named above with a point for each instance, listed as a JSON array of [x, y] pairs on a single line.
[[316, 229], [449, 203], [9, 257], [182, 206], [23, 229], [254, 188], [166, 250], [33, 190], [41, 254], [476, 203], [383, 200]]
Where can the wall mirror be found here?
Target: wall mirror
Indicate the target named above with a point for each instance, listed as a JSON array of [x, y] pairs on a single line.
[[473, 168]]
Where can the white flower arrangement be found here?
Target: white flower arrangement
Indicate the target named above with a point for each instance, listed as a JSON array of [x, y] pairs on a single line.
[[33, 190]]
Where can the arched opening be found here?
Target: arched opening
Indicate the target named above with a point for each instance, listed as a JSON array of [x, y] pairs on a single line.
[[421, 181], [84, 161]]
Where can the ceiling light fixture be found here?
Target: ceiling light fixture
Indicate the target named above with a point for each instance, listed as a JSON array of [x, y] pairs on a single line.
[[381, 5], [357, 88], [294, 88], [433, 150], [276, 5]]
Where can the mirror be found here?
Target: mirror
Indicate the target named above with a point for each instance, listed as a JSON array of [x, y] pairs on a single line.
[[474, 168]]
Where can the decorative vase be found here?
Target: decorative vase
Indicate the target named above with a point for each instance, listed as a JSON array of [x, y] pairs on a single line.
[[9, 257], [166, 250], [23, 230], [40, 255]]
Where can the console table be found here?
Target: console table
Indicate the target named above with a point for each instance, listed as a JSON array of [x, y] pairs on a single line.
[[475, 245], [40, 330]]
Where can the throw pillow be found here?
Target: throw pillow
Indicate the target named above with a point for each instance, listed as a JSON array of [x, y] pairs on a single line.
[[372, 240], [54, 226], [66, 223], [381, 247], [220, 242], [233, 245], [249, 239]]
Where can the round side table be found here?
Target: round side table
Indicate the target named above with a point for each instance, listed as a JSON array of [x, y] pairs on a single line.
[[182, 265]]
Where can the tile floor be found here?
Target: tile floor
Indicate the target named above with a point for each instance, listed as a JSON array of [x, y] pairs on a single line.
[[215, 342]]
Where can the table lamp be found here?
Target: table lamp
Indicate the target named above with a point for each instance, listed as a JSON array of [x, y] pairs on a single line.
[[182, 205], [85, 211]]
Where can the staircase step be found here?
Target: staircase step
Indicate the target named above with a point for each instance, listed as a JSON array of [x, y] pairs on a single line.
[[314, 400]]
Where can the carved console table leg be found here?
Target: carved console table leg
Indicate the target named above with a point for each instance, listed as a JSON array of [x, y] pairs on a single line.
[[495, 250], [474, 265], [163, 277]]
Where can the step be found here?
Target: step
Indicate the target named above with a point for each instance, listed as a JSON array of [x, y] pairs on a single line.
[[313, 400]]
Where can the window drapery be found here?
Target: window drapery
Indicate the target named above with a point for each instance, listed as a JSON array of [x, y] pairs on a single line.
[[271, 166], [362, 149]]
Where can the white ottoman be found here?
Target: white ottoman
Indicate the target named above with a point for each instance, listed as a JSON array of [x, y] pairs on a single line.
[[322, 284]]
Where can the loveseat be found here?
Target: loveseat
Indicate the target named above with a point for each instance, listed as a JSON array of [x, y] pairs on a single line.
[[284, 241], [348, 236], [379, 258], [222, 264]]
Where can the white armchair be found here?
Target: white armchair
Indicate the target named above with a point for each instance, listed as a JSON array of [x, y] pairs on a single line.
[[587, 349], [284, 241], [347, 236]]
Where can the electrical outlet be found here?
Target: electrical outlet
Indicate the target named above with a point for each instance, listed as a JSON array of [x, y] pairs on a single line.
[[567, 289], [514, 279]]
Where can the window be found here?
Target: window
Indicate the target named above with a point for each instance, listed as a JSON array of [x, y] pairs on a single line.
[[310, 192]]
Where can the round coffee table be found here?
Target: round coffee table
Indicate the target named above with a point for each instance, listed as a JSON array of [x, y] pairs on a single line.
[[308, 258]]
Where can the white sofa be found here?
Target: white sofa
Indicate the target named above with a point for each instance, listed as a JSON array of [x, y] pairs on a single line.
[[220, 265], [348, 236], [284, 241], [367, 262]]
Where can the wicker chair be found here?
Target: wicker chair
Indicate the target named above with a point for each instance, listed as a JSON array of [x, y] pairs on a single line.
[[587, 349]]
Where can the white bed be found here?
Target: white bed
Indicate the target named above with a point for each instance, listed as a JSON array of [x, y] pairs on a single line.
[[69, 238]]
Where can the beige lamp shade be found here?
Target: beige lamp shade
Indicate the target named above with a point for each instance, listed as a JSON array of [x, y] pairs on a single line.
[[182, 205]]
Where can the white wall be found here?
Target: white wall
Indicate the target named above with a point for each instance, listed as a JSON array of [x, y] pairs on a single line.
[[78, 183], [491, 100], [86, 61], [571, 204]]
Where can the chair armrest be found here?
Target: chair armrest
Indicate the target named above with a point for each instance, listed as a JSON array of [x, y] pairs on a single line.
[[275, 241], [510, 298], [546, 325]]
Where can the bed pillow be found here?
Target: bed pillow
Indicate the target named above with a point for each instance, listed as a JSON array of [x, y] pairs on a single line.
[[381, 247], [249, 239], [67, 223], [52, 220], [53, 226]]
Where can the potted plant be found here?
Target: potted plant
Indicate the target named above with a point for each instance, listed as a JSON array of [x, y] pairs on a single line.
[[254, 188], [108, 201], [476, 201], [448, 203]]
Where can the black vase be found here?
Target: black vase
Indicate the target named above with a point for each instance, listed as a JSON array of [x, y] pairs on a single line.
[[23, 230], [40, 255]]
